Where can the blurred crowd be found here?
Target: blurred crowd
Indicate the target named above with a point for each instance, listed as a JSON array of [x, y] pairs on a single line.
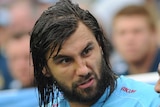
[[132, 26], [133, 30], [17, 18]]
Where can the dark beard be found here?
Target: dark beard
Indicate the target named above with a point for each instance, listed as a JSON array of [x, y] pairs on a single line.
[[77, 96]]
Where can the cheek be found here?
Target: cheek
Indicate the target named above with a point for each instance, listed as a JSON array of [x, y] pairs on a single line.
[[118, 42], [145, 38], [14, 69], [63, 75], [144, 42], [95, 63]]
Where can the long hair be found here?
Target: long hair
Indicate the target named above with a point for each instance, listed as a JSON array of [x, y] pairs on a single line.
[[54, 26]]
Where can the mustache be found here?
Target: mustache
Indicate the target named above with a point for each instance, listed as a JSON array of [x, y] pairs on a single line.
[[83, 79]]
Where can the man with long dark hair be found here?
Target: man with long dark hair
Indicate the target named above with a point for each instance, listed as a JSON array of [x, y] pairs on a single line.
[[71, 63]]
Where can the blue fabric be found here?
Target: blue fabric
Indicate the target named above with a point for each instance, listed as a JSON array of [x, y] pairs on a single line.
[[128, 93], [4, 72], [19, 98]]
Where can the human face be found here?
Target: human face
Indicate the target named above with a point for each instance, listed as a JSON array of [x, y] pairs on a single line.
[[77, 67], [17, 53], [132, 37], [157, 87]]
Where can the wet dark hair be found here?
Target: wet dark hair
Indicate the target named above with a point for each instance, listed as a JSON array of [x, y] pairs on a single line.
[[54, 26]]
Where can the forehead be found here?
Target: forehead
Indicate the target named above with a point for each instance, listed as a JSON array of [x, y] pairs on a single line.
[[131, 19], [78, 40], [81, 34]]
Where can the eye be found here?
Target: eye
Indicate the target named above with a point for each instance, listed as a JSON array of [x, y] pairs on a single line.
[[87, 51], [64, 61]]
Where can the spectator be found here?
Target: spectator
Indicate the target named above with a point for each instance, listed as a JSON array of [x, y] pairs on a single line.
[[17, 54], [134, 37], [105, 10], [16, 17]]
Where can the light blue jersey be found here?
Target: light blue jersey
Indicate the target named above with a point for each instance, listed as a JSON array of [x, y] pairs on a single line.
[[128, 93]]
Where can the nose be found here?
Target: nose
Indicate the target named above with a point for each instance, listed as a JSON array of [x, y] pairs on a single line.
[[157, 87], [81, 68], [129, 37]]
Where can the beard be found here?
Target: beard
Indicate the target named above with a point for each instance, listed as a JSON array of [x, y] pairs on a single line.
[[88, 95]]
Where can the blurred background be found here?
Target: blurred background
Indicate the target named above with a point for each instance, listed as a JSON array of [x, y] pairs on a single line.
[[131, 26]]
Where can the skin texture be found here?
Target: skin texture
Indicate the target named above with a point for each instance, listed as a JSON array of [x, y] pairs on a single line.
[[157, 87], [78, 61], [134, 39], [17, 53]]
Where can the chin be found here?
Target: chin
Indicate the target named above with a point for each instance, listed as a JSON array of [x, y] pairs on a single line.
[[132, 59]]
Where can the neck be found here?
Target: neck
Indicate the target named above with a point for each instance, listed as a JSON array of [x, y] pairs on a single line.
[[143, 65]]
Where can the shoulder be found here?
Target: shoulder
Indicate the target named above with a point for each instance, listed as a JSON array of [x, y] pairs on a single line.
[[136, 92]]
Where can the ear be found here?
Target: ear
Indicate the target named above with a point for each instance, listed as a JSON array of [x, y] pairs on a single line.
[[46, 73], [101, 50]]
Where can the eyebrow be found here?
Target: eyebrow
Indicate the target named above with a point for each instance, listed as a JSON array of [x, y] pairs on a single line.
[[88, 44], [58, 56]]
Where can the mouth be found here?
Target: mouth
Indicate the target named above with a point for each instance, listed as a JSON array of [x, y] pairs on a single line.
[[87, 83]]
